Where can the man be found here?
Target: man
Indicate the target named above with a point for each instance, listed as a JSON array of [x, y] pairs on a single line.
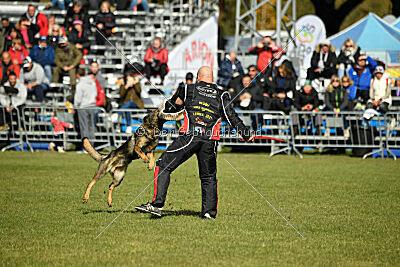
[[250, 95], [85, 101], [36, 82], [37, 18], [17, 100], [204, 105], [6, 26], [278, 58], [230, 67], [323, 61], [156, 59], [6, 67], [94, 69], [361, 74], [77, 12], [380, 94], [263, 50], [44, 55], [67, 59]]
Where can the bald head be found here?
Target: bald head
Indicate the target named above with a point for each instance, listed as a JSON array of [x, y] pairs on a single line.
[[205, 74]]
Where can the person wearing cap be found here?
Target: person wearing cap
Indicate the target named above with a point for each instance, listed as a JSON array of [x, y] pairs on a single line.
[[188, 79], [34, 79], [230, 67], [67, 59], [38, 19], [74, 12], [380, 93], [6, 67], [105, 22], [44, 55], [79, 37], [361, 73], [263, 50], [323, 61], [17, 52]]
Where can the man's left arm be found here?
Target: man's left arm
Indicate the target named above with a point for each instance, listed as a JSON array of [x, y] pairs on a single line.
[[77, 57], [371, 64]]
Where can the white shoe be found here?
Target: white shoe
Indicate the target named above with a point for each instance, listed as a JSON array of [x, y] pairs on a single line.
[[346, 133], [60, 149], [327, 132], [51, 146], [128, 129], [114, 117]]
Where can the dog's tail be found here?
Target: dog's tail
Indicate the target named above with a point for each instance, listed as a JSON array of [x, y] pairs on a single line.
[[90, 149]]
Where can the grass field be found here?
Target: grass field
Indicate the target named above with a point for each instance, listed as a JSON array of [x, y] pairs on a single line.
[[347, 208]]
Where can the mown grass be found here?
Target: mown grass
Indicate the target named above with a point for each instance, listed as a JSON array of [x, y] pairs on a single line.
[[347, 208]]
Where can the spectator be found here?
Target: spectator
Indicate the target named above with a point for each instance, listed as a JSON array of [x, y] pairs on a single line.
[[18, 52], [380, 94], [33, 77], [54, 36], [14, 33], [77, 12], [264, 52], [323, 62], [2, 42], [85, 101], [7, 67], [67, 59], [94, 69], [105, 22], [132, 66], [230, 67], [283, 88], [17, 100], [143, 3], [250, 95], [52, 22], [306, 99], [130, 96], [44, 55], [348, 56], [156, 59], [361, 74], [38, 19], [6, 26], [79, 38], [101, 95], [28, 31], [336, 96], [189, 78], [278, 58], [256, 77], [351, 90], [60, 4]]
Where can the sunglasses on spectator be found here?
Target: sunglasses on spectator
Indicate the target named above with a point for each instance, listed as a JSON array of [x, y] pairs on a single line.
[[345, 81], [362, 59], [335, 81], [349, 46]]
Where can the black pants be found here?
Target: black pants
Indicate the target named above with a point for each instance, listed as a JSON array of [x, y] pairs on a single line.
[[150, 71], [326, 73], [382, 107], [177, 153]]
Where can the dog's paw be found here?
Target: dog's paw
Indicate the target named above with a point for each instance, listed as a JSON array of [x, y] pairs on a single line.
[[85, 200], [145, 159], [150, 167], [110, 205]]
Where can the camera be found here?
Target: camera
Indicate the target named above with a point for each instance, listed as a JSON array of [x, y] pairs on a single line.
[[8, 90], [266, 43]]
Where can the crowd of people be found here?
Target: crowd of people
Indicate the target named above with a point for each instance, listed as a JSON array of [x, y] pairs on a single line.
[[270, 84]]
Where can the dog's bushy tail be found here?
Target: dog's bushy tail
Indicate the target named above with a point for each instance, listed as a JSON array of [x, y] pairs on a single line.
[[90, 149]]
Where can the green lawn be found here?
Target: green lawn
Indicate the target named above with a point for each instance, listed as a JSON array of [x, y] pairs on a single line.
[[347, 208]]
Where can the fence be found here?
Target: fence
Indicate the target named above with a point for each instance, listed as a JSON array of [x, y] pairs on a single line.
[[296, 131]]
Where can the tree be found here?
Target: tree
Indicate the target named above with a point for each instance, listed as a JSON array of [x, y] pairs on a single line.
[[332, 17]]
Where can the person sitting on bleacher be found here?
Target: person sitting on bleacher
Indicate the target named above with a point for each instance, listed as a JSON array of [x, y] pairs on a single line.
[[348, 85], [44, 55], [74, 12], [33, 77], [306, 99], [361, 74], [29, 32], [38, 19], [283, 88], [18, 52], [156, 59], [336, 96], [6, 26], [230, 67], [67, 59], [17, 100], [250, 95], [323, 62], [105, 22], [348, 56], [6, 67], [56, 32], [79, 38], [380, 93]]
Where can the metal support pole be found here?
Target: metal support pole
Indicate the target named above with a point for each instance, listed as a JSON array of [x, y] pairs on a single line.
[[278, 22], [237, 25]]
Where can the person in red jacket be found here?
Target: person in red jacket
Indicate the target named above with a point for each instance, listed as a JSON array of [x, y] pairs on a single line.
[[18, 52], [156, 59], [264, 52], [6, 67], [37, 18]]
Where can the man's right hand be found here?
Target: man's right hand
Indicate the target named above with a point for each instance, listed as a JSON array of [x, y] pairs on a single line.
[[260, 45], [66, 68], [317, 70]]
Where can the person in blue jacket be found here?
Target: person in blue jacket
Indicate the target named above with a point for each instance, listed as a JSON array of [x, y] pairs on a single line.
[[230, 68], [361, 74], [44, 55]]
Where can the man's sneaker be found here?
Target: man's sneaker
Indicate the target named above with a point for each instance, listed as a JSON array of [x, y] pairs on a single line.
[[207, 216], [148, 208]]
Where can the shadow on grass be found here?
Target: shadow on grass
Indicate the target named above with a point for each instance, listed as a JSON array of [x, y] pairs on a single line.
[[165, 212]]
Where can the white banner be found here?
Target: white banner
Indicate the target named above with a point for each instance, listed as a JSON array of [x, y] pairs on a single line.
[[312, 32], [196, 50]]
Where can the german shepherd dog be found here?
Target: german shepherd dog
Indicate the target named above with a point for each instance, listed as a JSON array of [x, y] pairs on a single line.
[[141, 144]]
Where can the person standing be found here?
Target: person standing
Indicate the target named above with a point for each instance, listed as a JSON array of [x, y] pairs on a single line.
[[85, 101], [204, 105], [264, 52]]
